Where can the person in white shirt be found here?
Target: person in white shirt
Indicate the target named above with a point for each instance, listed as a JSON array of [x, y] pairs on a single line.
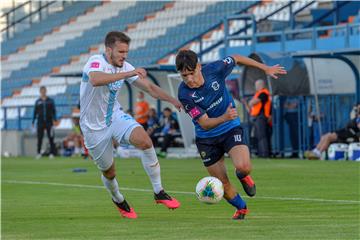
[[101, 118]]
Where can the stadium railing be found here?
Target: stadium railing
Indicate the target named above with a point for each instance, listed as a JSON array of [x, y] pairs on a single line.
[[23, 121], [309, 38]]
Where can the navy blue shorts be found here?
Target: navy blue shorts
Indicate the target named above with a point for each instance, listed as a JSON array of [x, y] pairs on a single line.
[[213, 149]]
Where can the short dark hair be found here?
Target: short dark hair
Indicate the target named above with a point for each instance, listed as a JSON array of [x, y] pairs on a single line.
[[167, 109], [186, 60], [114, 36], [42, 87]]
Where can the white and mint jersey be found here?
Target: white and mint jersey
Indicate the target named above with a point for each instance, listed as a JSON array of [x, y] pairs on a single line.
[[98, 104]]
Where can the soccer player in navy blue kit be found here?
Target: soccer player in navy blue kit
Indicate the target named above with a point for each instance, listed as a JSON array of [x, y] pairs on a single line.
[[217, 126]]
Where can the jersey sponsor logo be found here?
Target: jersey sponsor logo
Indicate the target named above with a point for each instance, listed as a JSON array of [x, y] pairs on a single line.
[[215, 85], [237, 138], [228, 60], [95, 65], [194, 112], [217, 102], [116, 85], [196, 97]]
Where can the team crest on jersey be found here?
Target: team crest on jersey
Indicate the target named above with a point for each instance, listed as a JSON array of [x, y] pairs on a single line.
[[215, 85], [197, 98], [228, 60]]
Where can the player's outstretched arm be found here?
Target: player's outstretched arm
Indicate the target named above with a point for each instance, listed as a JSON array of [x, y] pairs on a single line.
[[156, 92], [101, 78], [208, 123], [272, 71]]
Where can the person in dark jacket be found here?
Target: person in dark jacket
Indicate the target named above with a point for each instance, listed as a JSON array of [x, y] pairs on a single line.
[[349, 134], [169, 130], [45, 114]]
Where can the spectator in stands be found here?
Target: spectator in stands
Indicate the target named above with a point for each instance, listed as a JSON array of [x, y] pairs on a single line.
[[349, 134], [153, 125], [73, 142], [260, 111], [291, 105], [315, 121], [142, 110], [169, 129], [45, 114]]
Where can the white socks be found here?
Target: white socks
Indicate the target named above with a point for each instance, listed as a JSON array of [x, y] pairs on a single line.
[[152, 167], [113, 188]]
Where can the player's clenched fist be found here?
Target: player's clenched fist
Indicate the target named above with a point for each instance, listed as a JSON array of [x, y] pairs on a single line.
[[140, 72], [230, 113]]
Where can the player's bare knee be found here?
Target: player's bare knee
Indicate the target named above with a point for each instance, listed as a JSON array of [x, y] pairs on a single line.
[[244, 168], [145, 144], [110, 173]]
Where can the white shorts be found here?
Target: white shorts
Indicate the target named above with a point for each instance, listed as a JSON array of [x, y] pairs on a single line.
[[99, 142]]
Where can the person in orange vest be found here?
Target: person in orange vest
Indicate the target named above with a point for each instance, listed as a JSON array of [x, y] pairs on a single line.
[[259, 108], [142, 110]]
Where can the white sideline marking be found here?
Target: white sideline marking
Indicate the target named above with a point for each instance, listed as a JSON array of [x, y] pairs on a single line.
[[177, 192]]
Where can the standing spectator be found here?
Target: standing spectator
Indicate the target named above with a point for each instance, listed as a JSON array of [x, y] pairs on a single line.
[[45, 113], [142, 110], [291, 105], [169, 130], [260, 112]]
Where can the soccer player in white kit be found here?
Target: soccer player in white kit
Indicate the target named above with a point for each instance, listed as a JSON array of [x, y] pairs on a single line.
[[102, 120]]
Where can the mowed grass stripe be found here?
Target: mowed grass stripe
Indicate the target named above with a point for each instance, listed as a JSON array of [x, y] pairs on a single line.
[[178, 192], [85, 210]]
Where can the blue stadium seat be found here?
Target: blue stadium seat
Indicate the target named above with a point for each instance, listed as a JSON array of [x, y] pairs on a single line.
[[38, 29]]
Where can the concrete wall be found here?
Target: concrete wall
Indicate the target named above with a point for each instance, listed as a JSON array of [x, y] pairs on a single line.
[[24, 143], [11, 143]]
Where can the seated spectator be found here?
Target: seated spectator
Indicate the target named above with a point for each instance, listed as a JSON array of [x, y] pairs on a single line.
[[349, 134], [153, 125], [74, 141], [169, 129]]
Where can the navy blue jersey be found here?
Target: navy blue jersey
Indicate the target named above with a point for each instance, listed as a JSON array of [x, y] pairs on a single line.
[[211, 98]]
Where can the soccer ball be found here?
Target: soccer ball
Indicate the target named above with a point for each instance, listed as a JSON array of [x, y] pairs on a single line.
[[209, 190]]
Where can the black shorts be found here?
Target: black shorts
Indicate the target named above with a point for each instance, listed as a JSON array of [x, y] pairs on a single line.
[[213, 149], [345, 136]]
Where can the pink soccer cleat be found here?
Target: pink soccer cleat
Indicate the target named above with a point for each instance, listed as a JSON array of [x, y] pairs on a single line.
[[240, 214], [164, 198], [125, 210]]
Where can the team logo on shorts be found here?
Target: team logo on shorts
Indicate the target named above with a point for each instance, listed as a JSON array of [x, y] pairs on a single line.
[[203, 154]]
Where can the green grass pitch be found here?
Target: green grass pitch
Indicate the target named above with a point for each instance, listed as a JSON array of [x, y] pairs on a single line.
[[296, 199]]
